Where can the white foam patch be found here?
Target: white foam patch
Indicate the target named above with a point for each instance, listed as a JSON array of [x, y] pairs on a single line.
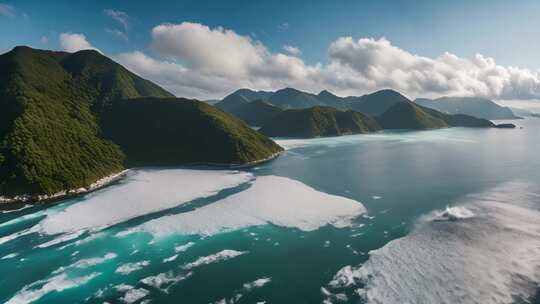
[[170, 259], [123, 287], [17, 234], [9, 256], [223, 255], [256, 284], [36, 290], [271, 199], [61, 239], [143, 192], [131, 267], [134, 295], [86, 263], [489, 254], [455, 213], [183, 248], [164, 281], [88, 239], [15, 210]]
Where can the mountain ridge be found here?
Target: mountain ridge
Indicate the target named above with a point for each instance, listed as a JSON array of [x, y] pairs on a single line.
[[59, 110]]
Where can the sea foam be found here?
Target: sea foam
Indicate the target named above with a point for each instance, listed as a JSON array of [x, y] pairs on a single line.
[[270, 200], [36, 290], [143, 192], [489, 253], [223, 255]]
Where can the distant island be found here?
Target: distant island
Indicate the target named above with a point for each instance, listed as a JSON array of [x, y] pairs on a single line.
[[69, 120], [474, 106], [319, 121], [293, 113]]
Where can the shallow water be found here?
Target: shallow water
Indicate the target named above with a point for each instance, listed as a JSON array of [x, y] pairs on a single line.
[[445, 216]]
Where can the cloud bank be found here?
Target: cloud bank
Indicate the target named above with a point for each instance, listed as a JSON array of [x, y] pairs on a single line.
[[72, 42], [194, 60]]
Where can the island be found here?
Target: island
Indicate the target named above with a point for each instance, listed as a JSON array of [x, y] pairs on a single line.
[[71, 120]]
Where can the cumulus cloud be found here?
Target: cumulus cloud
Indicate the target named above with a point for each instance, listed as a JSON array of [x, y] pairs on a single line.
[[378, 63], [194, 60], [292, 50], [7, 10], [72, 42], [120, 17], [44, 40]]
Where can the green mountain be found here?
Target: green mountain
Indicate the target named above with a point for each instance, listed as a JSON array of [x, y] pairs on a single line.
[[327, 121], [289, 98], [256, 113], [373, 104], [318, 121], [474, 106], [61, 113], [240, 97], [408, 115], [378, 102], [185, 131]]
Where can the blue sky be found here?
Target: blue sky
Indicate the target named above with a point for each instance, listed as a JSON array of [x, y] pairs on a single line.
[[504, 30]]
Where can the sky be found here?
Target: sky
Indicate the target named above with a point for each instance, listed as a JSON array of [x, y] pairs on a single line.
[[207, 49]]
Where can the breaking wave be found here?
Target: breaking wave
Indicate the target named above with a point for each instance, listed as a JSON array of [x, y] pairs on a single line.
[[487, 251]]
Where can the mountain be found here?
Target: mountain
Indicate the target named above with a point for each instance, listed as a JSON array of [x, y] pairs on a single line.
[[289, 98], [256, 113], [241, 96], [474, 106], [408, 115], [523, 112], [378, 102], [335, 101], [318, 121], [186, 131], [62, 114]]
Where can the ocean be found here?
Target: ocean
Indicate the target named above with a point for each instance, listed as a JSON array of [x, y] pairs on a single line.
[[441, 216]]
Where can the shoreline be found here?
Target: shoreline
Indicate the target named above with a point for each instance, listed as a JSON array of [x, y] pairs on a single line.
[[11, 203], [35, 199]]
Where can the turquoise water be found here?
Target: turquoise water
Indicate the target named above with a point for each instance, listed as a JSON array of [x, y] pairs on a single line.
[[405, 180]]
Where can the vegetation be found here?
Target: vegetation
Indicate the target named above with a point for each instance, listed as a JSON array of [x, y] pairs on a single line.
[[378, 102], [187, 131], [475, 106], [54, 105], [256, 113], [241, 97], [327, 121], [408, 115], [319, 121]]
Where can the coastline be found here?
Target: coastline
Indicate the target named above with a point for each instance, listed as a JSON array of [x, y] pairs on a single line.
[[9, 203], [45, 198]]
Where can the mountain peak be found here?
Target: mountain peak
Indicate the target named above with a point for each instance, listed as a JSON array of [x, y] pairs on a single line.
[[326, 93]]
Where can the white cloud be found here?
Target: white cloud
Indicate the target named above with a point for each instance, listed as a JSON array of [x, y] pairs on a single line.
[[7, 10], [121, 17], [72, 42], [380, 64], [292, 50], [194, 60], [44, 40]]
